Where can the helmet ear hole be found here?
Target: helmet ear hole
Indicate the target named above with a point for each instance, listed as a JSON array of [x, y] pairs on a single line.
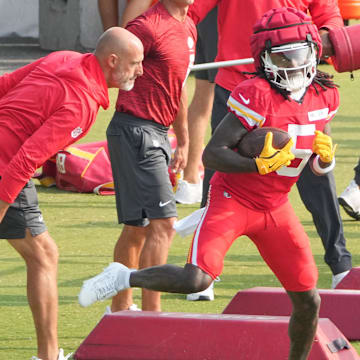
[[268, 45]]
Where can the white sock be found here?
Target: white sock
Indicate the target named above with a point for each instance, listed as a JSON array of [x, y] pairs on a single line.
[[337, 278], [124, 282]]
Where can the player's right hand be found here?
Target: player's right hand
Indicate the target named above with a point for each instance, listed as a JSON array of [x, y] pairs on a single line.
[[272, 159], [324, 147]]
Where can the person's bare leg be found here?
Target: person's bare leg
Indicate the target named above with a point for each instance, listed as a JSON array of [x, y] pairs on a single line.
[[171, 278], [199, 114], [303, 322], [155, 252], [108, 10], [41, 257], [127, 251]]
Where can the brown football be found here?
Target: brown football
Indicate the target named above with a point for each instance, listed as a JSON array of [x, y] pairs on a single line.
[[253, 142]]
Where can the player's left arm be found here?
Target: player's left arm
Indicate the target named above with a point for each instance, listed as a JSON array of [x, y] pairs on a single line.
[[219, 154], [55, 134], [324, 149], [326, 14], [180, 126], [10, 80]]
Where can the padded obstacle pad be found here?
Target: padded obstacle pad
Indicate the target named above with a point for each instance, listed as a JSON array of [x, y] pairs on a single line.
[[130, 335], [342, 307], [351, 280]]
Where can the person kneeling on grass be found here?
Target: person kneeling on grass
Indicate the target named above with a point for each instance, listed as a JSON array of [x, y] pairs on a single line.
[[249, 196]]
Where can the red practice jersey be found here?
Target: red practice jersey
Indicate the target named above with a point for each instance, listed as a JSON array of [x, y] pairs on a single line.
[[257, 104], [169, 51], [235, 22], [44, 107]]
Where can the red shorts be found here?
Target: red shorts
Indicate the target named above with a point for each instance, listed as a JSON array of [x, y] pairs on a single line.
[[278, 235]]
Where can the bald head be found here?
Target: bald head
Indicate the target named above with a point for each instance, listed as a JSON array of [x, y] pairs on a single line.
[[119, 52], [116, 40]]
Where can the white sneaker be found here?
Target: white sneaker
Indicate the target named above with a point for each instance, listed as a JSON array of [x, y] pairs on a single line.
[[336, 279], [60, 357], [350, 200], [113, 279], [132, 307], [207, 294], [187, 193]]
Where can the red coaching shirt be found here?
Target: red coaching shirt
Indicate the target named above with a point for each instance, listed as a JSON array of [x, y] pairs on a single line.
[[44, 107], [235, 22], [169, 51], [256, 104]]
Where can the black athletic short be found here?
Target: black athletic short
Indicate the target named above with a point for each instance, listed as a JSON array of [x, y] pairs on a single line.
[[140, 153], [206, 45], [22, 214]]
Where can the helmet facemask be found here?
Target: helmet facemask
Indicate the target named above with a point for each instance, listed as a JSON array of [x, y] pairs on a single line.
[[291, 67]]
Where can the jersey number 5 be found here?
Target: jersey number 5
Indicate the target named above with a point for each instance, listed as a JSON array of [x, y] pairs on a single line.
[[301, 155]]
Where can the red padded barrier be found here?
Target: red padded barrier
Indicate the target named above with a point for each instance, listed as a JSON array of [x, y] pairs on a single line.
[[351, 280], [342, 307], [173, 336]]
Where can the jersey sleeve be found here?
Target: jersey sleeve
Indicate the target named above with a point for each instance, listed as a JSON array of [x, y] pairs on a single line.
[[57, 132], [142, 29], [8, 81], [326, 14], [199, 9], [246, 102], [334, 102]]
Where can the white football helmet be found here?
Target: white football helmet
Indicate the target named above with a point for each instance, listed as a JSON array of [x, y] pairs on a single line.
[[292, 66]]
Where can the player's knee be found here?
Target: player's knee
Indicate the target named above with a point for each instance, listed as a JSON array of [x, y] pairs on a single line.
[[161, 227], [313, 303], [194, 279], [44, 252], [309, 303]]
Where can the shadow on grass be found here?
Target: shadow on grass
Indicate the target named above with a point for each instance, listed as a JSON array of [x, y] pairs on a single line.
[[18, 349], [13, 300], [21, 300], [342, 119], [96, 224], [13, 270], [71, 205]]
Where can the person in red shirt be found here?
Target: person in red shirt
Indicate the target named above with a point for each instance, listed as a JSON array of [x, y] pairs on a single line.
[[139, 147], [249, 196], [318, 194], [44, 107]]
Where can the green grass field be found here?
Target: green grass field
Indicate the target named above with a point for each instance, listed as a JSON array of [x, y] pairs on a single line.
[[85, 229]]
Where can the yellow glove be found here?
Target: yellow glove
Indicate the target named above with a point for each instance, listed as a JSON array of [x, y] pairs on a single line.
[[272, 159], [323, 147]]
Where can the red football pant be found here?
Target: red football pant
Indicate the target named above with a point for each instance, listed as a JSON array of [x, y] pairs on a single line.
[[278, 235]]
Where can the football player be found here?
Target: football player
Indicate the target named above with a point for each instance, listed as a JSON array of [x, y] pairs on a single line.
[[249, 196]]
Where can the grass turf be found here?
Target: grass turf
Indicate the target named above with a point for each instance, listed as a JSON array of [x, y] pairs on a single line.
[[85, 229]]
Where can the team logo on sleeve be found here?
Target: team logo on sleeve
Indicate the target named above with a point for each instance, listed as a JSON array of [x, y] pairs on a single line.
[[76, 132]]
